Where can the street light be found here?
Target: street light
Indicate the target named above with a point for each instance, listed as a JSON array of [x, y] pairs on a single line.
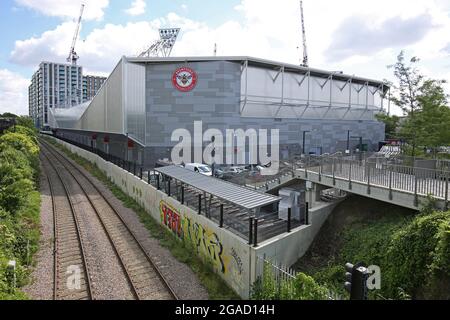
[[304, 137], [347, 151], [360, 145], [213, 154]]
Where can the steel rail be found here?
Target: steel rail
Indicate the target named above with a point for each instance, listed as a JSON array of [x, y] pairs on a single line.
[[58, 155], [56, 234], [126, 272]]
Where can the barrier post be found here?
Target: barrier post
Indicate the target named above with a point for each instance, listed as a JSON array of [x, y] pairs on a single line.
[[416, 198], [350, 175], [390, 183], [221, 216], [255, 233], [182, 194], [250, 231], [307, 214], [289, 220]]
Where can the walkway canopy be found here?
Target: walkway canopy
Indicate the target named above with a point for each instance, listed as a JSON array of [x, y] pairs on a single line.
[[233, 193]]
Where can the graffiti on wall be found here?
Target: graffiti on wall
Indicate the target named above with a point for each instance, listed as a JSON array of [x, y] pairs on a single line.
[[237, 260], [170, 218], [204, 240]]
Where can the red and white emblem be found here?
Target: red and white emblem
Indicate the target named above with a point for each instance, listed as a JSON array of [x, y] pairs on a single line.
[[184, 79]]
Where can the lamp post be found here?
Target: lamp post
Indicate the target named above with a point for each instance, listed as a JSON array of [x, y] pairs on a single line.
[[304, 138], [347, 150], [213, 155], [360, 145]]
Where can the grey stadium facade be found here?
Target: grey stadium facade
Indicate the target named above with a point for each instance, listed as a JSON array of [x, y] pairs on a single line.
[[140, 103]]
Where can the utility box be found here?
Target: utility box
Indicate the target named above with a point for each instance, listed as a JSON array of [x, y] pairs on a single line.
[[293, 199]]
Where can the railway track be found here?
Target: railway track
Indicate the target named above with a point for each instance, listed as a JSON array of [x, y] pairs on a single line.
[[69, 258], [143, 275]]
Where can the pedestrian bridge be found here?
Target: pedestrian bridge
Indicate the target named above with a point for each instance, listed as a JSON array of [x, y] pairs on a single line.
[[376, 178]]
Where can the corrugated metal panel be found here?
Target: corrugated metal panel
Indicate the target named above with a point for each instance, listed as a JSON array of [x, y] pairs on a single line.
[[241, 196], [105, 111], [114, 101], [134, 103]]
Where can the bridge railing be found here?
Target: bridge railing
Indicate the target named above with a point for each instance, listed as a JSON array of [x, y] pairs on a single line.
[[379, 172]]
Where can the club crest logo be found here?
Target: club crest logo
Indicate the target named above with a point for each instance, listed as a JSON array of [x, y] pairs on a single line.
[[184, 79]]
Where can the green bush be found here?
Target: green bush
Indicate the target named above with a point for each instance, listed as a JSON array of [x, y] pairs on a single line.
[[27, 122], [413, 254], [30, 132], [25, 144], [418, 257], [19, 206], [16, 178], [302, 287], [21, 142]]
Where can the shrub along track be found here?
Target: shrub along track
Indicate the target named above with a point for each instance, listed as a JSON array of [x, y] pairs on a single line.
[[143, 276]]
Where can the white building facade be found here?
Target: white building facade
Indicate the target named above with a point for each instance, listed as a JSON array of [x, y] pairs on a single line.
[[56, 85]]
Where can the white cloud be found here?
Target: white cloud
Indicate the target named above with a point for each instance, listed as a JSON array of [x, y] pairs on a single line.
[[99, 51], [13, 93], [137, 8], [52, 45], [271, 30], [268, 30], [94, 9]]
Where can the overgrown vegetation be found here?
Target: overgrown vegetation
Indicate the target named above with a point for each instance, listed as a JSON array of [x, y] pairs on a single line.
[[413, 252], [183, 252], [302, 287], [19, 204]]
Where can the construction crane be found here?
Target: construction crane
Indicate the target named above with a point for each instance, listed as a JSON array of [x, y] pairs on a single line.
[[72, 54], [305, 52]]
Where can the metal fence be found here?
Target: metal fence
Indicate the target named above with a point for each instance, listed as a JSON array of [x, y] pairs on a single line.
[[282, 278], [418, 180]]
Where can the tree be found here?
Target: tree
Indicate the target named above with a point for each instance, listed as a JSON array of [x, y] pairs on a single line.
[[433, 119], [391, 123], [8, 115], [424, 103], [26, 121], [409, 84]]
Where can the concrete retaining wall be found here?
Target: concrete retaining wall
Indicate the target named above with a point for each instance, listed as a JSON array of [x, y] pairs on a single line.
[[289, 247]]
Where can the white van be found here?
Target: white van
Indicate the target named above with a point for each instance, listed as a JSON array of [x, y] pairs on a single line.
[[200, 168]]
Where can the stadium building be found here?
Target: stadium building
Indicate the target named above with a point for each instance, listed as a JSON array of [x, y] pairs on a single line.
[[144, 100]]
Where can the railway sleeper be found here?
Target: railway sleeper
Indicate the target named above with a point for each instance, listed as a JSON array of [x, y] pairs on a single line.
[[71, 257], [76, 262]]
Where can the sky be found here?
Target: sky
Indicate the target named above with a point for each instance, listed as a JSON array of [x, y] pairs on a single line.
[[358, 37]]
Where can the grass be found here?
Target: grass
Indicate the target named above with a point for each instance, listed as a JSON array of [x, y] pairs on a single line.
[[216, 287]]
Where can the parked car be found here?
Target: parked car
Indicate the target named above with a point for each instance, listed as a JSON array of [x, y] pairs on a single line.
[[236, 170], [200, 168], [218, 173]]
